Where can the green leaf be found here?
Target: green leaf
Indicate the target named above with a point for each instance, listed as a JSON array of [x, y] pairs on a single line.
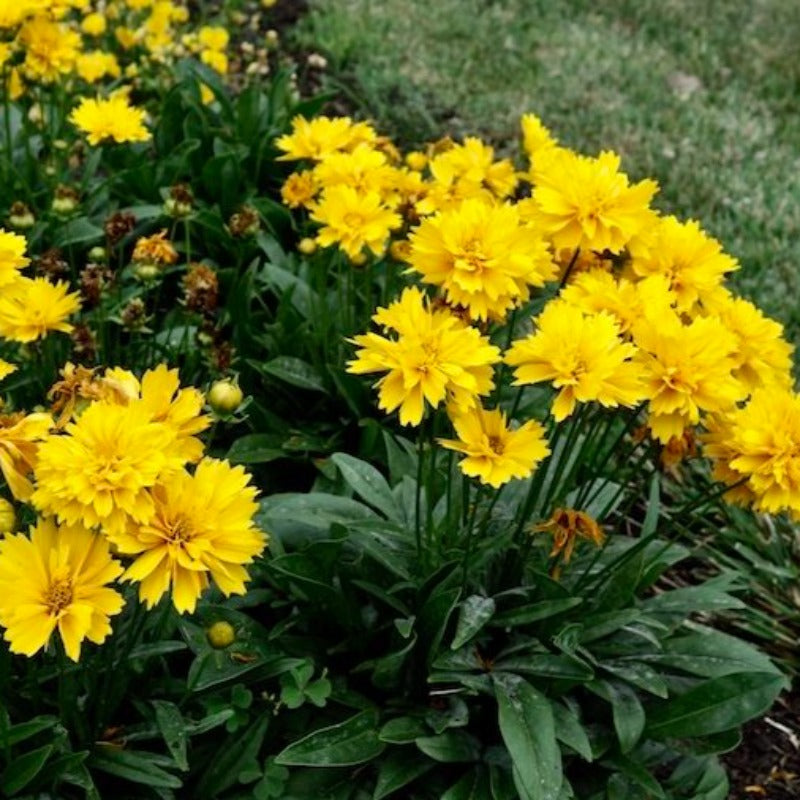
[[450, 747], [232, 758], [570, 731], [548, 665], [296, 372], [400, 768], [402, 730], [652, 514], [354, 741], [534, 611], [472, 786], [255, 448], [137, 766], [528, 730], [77, 231], [173, 728], [716, 705], [24, 730], [367, 483], [712, 654], [22, 770], [629, 716], [475, 612]]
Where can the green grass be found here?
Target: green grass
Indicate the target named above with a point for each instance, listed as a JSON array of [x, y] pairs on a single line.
[[704, 97]]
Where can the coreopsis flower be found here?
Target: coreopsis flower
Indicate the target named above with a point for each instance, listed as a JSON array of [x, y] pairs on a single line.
[[213, 37], [496, 453], [587, 203], [155, 249], [567, 526], [8, 517], [692, 262], [112, 119], [353, 220], [20, 435], [317, 138], [757, 448], [94, 24], [435, 357], [160, 394], [363, 168], [482, 256], [50, 48], [202, 531], [299, 189], [56, 579], [762, 356], [99, 472], [13, 14], [94, 65], [600, 290], [686, 369], [30, 308], [582, 355], [12, 257], [536, 138]]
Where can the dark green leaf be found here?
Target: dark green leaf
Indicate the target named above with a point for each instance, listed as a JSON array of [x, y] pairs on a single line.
[[296, 372], [255, 448], [137, 766], [716, 705], [475, 612], [77, 231], [173, 729], [367, 483], [354, 741], [399, 769], [528, 729], [534, 611], [450, 747], [22, 770]]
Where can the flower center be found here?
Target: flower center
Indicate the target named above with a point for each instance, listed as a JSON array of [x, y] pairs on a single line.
[[179, 531], [496, 445], [59, 595]]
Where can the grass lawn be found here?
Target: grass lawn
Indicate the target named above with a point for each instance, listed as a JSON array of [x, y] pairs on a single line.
[[703, 96]]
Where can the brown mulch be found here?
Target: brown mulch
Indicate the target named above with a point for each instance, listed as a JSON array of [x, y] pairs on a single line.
[[766, 766]]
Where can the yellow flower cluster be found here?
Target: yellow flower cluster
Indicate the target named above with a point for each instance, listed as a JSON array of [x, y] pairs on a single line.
[[83, 42], [638, 317], [124, 492]]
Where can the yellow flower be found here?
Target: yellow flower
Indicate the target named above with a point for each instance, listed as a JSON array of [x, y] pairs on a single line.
[[50, 48], [126, 37], [718, 446], [482, 256], [94, 24], [299, 189], [56, 579], [13, 13], [762, 356], [100, 471], [692, 262], [434, 357], [202, 530], [19, 437], [588, 203], [353, 220], [760, 444], [96, 64], [536, 139], [113, 118], [581, 354], [363, 168], [214, 37], [319, 137], [160, 395], [600, 290], [8, 517], [685, 370], [494, 452], [32, 308], [216, 60], [12, 256]]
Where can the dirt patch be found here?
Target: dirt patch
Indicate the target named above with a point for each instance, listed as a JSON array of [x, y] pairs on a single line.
[[766, 766]]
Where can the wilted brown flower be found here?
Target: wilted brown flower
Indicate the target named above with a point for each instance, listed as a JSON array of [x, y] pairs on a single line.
[[201, 289], [155, 249], [94, 279], [20, 216], [134, 315], [245, 222], [50, 263], [118, 226], [84, 342], [180, 200], [567, 526]]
